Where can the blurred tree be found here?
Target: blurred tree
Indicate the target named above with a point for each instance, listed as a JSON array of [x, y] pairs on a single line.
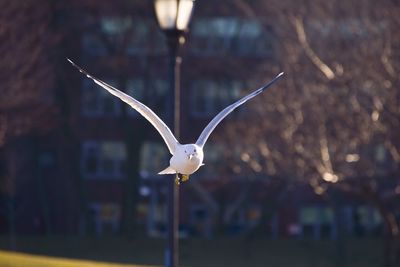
[[26, 70], [333, 122], [27, 104]]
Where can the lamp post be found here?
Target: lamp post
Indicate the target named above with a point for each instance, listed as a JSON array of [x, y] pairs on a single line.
[[173, 17]]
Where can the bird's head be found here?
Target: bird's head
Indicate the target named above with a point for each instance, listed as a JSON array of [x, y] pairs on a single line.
[[192, 152]]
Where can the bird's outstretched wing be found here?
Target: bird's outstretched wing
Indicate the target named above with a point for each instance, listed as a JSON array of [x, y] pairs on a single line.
[[145, 111], [217, 119]]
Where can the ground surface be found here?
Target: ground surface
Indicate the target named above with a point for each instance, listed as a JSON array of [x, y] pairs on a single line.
[[211, 253], [17, 259]]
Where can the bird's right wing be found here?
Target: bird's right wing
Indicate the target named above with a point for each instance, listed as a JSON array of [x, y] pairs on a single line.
[[225, 112], [145, 111]]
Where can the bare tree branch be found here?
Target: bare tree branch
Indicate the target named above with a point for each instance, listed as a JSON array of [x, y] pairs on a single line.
[[301, 34]]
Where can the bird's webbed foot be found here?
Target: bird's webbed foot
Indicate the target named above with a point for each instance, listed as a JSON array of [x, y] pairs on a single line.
[[185, 177], [177, 179]]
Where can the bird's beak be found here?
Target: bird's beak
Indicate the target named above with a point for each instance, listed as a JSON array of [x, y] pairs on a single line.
[[190, 156]]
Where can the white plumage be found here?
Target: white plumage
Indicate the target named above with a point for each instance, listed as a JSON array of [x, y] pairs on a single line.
[[188, 158]]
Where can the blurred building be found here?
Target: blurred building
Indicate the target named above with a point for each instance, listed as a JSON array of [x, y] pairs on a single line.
[[124, 46], [113, 155]]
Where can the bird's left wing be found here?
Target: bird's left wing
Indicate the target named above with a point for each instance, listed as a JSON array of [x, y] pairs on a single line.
[[145, 111], [217, 119]]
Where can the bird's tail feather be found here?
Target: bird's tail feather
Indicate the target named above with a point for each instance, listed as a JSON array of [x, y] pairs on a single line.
[[168, 170]]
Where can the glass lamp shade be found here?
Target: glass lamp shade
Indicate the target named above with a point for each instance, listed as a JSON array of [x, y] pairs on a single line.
[[174, 14]]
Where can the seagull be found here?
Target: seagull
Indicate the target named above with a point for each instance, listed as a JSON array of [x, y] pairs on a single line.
[[186, 158]]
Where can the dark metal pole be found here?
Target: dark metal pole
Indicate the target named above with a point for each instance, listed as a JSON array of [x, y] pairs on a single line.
[[172, 248]]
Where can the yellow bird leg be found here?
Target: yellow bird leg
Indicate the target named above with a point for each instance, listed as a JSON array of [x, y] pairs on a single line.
[[185, 177], [177, 180]]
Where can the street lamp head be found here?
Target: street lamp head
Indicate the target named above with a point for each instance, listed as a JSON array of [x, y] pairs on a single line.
[[174, 15]]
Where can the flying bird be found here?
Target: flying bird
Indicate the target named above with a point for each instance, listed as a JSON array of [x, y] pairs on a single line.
[[186, 158]]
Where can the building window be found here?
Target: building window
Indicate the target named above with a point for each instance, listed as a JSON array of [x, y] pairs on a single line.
[[309, 221], [380, 153], [115, 26], [200, 221], [93, 44], [210, 97], [151, 93], [327, 223], [317, 222], [139, 38], [153, 159], [347, 28], [145, 37], [230, 35], [367, 220], [112, 34], [97, 101], [106, 217], [253, 215], [106, 36], [103, 159]]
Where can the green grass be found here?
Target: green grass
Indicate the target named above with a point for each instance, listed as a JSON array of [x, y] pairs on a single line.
[[12, 259], [210, 253]]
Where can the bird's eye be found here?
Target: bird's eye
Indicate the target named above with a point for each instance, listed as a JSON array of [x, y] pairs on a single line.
[[185, 151], [195, 151]]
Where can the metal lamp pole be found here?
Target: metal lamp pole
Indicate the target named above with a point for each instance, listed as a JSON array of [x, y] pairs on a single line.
[[172, 250], [173, 17]]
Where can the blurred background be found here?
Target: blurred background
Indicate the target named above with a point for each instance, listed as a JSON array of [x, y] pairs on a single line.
[[306, 174]]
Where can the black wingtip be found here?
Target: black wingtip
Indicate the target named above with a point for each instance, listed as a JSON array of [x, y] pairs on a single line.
[[70, 61], [79, 68], [277, 77], [73, 64]]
